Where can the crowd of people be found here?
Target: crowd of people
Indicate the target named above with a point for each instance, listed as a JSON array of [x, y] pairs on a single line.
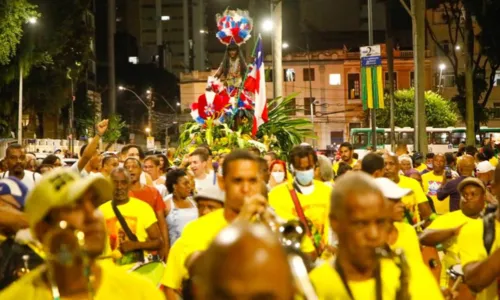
[[204, 226]]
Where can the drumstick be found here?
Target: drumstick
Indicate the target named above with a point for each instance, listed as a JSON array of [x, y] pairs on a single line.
[[457, 282]]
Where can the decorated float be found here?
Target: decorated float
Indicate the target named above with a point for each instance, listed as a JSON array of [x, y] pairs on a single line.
[[234, 111]]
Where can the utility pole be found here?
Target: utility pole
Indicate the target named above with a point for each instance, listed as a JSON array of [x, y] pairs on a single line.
[[277, 18], [370, 43], [418, 21], [20, 109], [185, 25], [469, 84], [390, 67], [159, 35], [111, 56]]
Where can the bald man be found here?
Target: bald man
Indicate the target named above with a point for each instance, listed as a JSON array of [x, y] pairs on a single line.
[[360, 217], [466, 166], [433, 180], [245, 261]]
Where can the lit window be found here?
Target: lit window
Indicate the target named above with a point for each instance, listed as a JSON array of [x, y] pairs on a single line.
[[289, 75], [133, 60], [335, 79]]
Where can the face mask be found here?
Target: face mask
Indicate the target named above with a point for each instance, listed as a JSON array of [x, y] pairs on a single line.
[[304, 177], [278, 176], [429, 166]]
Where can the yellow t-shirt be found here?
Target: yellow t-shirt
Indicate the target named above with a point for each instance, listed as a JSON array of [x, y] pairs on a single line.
[[316, 207], [432, 183], [139, 217], [196, 236], [408, 241], [421, 168], [115, 284], [412, 200], [328, 284], [494, 161], [471, 249], [336, 165]]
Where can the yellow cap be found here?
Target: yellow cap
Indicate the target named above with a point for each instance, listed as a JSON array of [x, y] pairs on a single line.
[[62, 187]]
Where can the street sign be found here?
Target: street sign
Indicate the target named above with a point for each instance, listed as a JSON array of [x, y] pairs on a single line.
[[370, 56], [150, 144]]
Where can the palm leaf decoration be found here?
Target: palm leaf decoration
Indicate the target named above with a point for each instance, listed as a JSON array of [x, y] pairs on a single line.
[[279, 134]]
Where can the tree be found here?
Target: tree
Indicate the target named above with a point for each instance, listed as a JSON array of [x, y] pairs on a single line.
[[13, 15], [484, 60], [439, 111]]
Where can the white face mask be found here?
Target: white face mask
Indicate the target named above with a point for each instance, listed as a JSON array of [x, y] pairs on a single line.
[[279, 177]]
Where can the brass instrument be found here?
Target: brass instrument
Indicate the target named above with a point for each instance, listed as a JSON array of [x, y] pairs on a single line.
[[290, 235], [399, 258], [66, 246]]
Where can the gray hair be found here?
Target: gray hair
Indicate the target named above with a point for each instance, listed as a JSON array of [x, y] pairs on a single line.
[[407, 158], [325, 168], [119, 170]]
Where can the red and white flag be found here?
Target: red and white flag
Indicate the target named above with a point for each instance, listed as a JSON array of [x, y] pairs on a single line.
[[256, 84]]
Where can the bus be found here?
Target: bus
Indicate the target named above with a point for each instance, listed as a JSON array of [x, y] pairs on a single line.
[[458, 136], [438, 139]]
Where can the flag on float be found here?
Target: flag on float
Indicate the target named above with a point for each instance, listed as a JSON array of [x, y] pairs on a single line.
[[372, 90], [256, 84]]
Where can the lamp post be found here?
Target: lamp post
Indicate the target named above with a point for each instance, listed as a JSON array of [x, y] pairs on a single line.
[[442, 67], [267, 26], [149, 107], [285, 45], [32, 21]]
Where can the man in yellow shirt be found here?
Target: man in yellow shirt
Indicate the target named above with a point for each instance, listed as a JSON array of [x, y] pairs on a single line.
[[479, 251], [245, 261], [61, 207], [445, 229], [361, 220], [138, 216], [416, 203], [346, 152], [433, 180], [311, 195], [242, 183]]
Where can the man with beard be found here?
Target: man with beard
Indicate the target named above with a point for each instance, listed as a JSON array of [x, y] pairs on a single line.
[[361, 220], [433, 180], [138, 216], [346, 156], [61, 204], [15, 159]]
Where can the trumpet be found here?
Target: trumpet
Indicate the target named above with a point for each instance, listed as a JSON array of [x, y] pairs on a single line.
[[290, 235], [399, 257]]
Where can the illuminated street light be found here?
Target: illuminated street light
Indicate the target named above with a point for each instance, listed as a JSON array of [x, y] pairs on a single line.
[[148, 92], [121, 88], [32, 20], [285, 45], [442, 67], [203, 31], [267, 25], [457, 47], [178, 104]]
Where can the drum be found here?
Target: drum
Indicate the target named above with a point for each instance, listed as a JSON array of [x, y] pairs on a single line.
[[153, 271], [456, 283], [431, 259]]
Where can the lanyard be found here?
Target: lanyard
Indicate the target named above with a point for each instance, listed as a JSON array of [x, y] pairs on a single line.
[[378, 280]]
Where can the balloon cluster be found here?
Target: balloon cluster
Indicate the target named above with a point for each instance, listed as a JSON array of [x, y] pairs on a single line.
[[234, 27]]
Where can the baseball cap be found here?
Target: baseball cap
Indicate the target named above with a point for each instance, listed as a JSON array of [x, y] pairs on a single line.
[[14, 187], [211, 193], [484, 167], [61, 187], [390, 189], [471, 181]]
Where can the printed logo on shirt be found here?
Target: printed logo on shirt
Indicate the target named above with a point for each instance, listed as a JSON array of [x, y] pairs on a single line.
[[434, 187]]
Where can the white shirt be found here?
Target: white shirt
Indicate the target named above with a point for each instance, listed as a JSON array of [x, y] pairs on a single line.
[[162, 189], [210, 180], [29, 179]]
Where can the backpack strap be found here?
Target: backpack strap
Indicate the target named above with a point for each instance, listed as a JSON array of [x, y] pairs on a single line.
[[488, 231]]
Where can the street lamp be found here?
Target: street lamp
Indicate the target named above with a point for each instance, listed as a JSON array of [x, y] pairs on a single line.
[[457, 47], [148, 131], [149, 107], [441, 69], [285, 45], [267, 25], [32, 21]]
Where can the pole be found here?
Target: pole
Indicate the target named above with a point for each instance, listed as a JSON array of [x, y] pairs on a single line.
[[440, 79], [185, 33], [272, 52], [418, 19], [390, 68], [370, 42], [71, 121], [159, 35], [277, 47], [310, 88], [111, 56], [150, 110], [20, 109], [470, 133]]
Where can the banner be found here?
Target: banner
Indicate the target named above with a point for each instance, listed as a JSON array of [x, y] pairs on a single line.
[[372, 90]]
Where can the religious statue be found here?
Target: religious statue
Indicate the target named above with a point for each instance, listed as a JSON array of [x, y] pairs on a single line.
[[232, 69]]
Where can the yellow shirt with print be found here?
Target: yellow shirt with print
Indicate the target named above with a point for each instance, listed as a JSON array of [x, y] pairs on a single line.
[[329, 286], [421, 168], [471, 249], [451, 256], [335, 166], [115, 284], [432, 183], [316, 208], [139, 217], [196, 236], [408, 241], [412, 200]]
